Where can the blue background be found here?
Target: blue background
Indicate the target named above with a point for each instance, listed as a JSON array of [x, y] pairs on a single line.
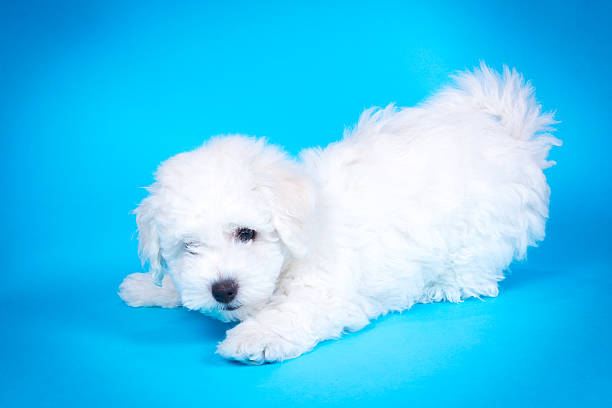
[[94, 94]]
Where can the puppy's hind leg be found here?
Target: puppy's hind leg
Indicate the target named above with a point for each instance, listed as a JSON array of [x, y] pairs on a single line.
[[138, 290]]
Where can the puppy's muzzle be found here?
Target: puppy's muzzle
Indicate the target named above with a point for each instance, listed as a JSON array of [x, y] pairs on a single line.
[[225, 290]]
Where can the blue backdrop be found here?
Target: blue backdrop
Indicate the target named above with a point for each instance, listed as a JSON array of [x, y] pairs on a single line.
[[94, 94]]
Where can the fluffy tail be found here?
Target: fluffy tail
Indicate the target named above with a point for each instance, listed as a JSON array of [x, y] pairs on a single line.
[[508, 98]]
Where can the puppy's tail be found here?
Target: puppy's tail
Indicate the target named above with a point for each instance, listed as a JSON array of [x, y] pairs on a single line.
[[507, 97]]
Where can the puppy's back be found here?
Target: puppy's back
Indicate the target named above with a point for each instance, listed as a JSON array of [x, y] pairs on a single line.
[[448, 192]]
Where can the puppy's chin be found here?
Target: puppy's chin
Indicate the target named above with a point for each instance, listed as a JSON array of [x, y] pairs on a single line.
[[230, 315], [225, 315]]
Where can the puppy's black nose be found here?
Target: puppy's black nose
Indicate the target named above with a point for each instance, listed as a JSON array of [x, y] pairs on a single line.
[[225, 290]]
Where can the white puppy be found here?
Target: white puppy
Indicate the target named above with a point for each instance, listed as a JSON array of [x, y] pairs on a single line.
[[414, 205]]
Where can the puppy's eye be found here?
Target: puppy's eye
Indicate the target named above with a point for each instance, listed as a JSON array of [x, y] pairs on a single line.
[[245, 234], [192, 247]]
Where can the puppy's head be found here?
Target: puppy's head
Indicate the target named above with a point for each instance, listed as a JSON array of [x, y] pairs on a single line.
[[223, 221]]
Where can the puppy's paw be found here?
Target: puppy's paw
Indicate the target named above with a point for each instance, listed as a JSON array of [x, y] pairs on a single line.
[[253, 342], [138, 290]]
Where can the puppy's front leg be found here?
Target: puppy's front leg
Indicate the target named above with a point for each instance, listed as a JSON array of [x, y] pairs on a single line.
[[138, 290], [289, 327]]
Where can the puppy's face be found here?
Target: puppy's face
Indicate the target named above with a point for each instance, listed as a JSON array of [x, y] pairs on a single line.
[[223, 221], [226, 260]]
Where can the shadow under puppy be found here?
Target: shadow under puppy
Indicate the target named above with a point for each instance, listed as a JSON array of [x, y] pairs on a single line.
[[413, 205]]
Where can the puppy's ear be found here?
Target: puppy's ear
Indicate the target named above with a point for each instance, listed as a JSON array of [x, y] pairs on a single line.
[[291, 196], [148, 239]]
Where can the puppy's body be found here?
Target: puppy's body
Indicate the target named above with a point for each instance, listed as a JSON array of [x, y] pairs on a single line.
[[414, 205]]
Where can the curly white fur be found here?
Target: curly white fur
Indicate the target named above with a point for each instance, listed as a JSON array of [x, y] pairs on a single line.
[[414, 205]]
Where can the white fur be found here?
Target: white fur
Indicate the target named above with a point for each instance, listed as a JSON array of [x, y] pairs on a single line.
[[414, 205]]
